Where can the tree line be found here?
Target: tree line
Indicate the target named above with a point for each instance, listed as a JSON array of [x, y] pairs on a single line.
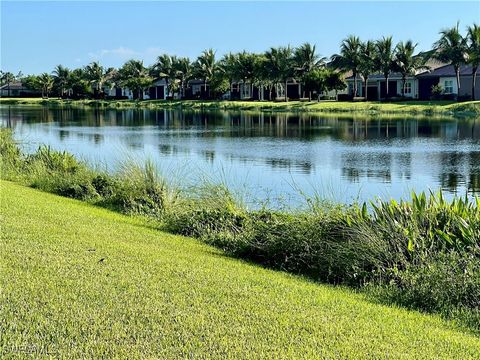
[[275, 66]]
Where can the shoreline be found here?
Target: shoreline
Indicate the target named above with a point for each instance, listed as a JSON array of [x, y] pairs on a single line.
[[446, 108]]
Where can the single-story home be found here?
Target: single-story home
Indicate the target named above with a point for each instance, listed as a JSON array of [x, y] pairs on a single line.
[[376, 88], [445, 77], [419, 86], [247, 91], [17, 89]]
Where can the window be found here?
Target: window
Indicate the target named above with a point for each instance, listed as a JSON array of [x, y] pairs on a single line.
[[196, 89], [448, 86], [246, 90], [408, 87]]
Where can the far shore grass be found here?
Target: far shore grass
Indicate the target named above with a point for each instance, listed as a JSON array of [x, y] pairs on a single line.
[[469, 108], [78, 281]]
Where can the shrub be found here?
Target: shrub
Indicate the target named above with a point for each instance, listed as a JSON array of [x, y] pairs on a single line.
[[447, 283], [436, 92], [55, 161]]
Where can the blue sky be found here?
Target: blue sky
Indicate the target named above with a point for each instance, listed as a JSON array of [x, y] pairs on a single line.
[[36, 36]]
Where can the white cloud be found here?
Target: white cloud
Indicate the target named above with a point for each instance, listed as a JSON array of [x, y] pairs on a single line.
[[122, 54]]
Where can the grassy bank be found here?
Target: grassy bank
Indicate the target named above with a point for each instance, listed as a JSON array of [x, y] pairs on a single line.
[[78, 281], [423, 253], [469, 108]]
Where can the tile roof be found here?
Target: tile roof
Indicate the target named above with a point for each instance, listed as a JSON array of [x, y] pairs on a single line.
[[447, 70], [17, 85]]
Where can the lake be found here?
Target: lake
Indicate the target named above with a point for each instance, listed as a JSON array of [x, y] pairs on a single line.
[[277, 157]]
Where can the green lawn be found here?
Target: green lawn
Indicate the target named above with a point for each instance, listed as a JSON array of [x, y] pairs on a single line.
[[371, 107], [78, 281]]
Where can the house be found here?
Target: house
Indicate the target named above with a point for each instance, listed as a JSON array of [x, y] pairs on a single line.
[[158, 91], [118, 92], [17, 89], [376, 88], [241, 90], [196, 89], [445, 77]]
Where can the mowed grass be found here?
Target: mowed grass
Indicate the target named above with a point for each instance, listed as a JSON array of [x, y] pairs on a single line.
[[78, 281], [415, 107]]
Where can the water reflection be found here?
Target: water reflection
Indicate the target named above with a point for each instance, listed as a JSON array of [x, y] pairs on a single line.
[[370, 156]]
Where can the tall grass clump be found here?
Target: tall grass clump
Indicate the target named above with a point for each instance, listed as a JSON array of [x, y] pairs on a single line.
[[135, 189], [10, 155], [209, 212]]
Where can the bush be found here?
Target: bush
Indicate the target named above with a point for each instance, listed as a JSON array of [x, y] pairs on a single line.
[[447, 283], [436, 92]]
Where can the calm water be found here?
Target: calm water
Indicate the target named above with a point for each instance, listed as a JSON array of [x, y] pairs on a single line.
[[269, 155]]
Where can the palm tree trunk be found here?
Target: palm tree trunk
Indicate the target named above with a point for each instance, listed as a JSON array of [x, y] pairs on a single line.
[[404, 83], [354, 84], [366, 88], [457, 73], [386, 86], [474, 78], [286, 92]]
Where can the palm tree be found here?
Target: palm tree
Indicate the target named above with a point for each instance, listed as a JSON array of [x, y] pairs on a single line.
[[166, 68], [407, 64], [78, 83], [45, 82], [368, 55], [61, 75], [306, 60], [473, 52], [98, 76], [385, 58], [8, 78], [263, 75], [229, 67], [205, 67], [245, 69], [134, 75], [270, 70], [451, 48], [349, 58], [280, 65], [184, 72]]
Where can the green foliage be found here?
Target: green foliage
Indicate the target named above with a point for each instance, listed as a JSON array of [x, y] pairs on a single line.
[[219, 85], [315, 80], [9, 150], [437, 91], [134, 75], [54, 161], [451, 47], [349, 58], [138, 190]]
